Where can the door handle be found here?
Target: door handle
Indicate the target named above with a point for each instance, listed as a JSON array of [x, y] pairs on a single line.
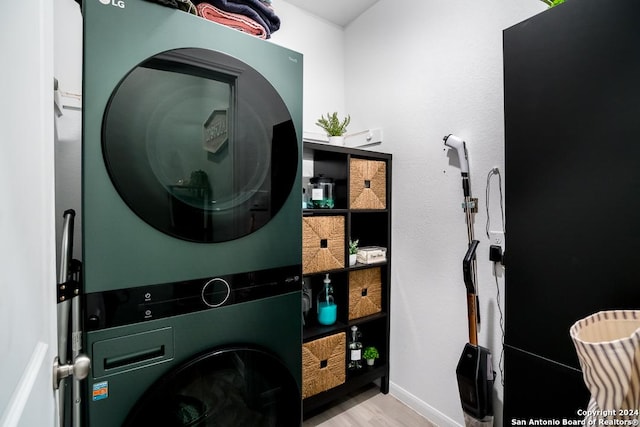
[[79, 369]]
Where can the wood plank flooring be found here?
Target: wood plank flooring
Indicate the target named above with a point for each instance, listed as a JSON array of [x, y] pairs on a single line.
[[368, 408]]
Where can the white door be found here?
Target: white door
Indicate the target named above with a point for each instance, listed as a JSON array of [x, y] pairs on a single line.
[[27, 230]]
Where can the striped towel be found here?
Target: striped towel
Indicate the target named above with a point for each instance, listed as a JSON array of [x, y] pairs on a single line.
[[233, 20], [608, 347]]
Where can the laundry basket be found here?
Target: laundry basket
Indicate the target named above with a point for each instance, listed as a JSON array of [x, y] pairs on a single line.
[[608, 347]]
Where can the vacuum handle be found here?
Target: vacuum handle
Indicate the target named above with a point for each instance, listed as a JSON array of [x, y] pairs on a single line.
[[472, 317], [472, 298], [467, 267], [460, 146]]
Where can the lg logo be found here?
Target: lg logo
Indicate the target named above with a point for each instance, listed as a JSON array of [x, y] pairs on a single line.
[[117, 3]]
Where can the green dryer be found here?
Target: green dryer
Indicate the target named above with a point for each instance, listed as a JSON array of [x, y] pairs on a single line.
[[191, 216], [191, 148]]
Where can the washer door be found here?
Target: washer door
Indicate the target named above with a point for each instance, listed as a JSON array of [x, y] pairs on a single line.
[[227, 388], [200, 145]]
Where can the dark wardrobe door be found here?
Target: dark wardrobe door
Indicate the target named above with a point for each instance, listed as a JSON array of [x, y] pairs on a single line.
[[571, 92], [228, 388]]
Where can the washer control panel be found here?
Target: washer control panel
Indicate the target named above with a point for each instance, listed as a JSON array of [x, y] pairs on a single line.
[[139, 304]]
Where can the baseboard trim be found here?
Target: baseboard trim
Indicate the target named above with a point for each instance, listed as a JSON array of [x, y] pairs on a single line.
[[427, 411]]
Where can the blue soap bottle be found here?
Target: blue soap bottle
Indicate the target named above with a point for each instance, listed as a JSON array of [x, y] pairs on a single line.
[[327, 309]]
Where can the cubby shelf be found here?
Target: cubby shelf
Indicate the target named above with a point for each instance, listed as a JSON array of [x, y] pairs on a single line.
[[362, 196]]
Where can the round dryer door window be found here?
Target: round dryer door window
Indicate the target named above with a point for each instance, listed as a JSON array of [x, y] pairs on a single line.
[[227, 388], [200, 145]]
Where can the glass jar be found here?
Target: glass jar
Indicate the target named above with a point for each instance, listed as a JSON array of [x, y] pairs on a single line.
[[320, 192]]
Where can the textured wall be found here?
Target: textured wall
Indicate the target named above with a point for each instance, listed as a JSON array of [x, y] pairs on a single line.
[[322, 44], [421, 70]]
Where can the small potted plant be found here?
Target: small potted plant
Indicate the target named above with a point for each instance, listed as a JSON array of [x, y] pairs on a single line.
[[353, 251], [334, 127], [370, 354]]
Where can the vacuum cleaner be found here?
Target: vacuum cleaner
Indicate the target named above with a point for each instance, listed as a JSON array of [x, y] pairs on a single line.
[[474, 372]]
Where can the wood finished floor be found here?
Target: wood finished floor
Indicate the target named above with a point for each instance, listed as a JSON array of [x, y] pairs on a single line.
[[368, 408]]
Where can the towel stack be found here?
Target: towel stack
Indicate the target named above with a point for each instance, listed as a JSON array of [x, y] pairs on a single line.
[[184, 5], [255, 17]]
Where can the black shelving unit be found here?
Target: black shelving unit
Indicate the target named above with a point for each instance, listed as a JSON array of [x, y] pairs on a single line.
[[372, 227]]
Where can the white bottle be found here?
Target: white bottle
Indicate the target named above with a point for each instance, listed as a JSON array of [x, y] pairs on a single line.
[[355, 349]]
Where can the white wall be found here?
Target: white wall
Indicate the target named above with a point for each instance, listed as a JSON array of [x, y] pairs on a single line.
[[422, 69], [322, 44]]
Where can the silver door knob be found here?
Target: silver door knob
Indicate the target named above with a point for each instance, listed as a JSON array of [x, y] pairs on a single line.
[[79, 369]]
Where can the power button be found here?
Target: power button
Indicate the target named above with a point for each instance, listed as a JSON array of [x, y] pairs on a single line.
[[215, 292]]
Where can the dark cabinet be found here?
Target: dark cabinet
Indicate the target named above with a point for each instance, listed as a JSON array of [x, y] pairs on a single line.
[[362, 211], [571, 158]]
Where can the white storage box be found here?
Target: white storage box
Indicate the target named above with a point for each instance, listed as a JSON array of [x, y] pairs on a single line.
[[371, 254]]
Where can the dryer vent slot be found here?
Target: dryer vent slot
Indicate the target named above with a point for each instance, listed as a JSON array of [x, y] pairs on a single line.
[[129, 359]]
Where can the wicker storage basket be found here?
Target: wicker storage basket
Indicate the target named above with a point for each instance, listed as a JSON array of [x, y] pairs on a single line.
[[365, 292], [323, 245], [367, 184], [323, 364]]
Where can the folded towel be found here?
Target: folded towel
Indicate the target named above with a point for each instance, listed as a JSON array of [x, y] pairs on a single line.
[[234, 20], [264, 10], [184, 5], [187, 6], [257, 10]]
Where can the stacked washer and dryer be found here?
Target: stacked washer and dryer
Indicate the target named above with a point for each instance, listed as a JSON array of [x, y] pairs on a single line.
[[191, 221]]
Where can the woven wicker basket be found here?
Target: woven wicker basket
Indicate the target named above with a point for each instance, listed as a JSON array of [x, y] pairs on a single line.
[[367, 184], [323, 245], [365, 292], [323, 364]]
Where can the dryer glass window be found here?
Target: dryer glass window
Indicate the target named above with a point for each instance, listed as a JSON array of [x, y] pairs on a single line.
[[226, 388], [200, 145]]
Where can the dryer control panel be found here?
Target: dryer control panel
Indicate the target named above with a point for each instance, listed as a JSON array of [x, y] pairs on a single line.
[[134, 305]]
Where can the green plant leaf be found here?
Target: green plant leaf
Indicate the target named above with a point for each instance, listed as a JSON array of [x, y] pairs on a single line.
[[370, 353], [553, 3], [353, 246], [332, 124]]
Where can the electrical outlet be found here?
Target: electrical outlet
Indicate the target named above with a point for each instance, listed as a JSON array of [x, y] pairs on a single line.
[[496, 238]]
